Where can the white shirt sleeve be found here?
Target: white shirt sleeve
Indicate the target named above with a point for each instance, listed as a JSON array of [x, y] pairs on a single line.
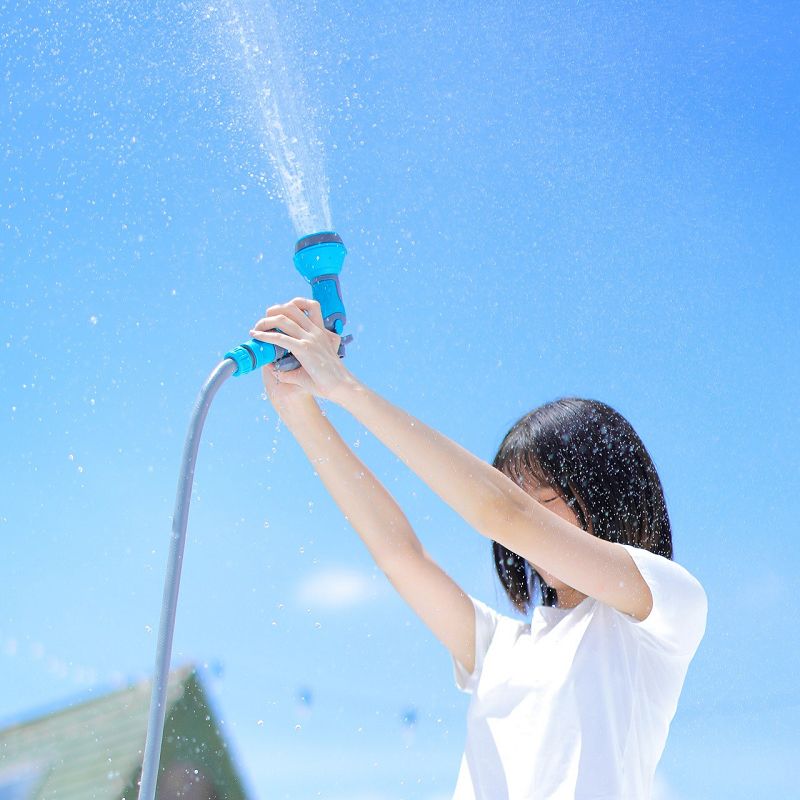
[[485, 625], [677, 620]]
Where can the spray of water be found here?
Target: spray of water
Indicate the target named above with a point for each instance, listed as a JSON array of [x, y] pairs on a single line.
[[276, 104]]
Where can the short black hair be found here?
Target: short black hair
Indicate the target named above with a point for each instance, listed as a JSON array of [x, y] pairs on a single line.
[[591, 455]]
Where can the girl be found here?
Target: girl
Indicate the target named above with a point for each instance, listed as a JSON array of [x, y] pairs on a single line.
[[577, 703]]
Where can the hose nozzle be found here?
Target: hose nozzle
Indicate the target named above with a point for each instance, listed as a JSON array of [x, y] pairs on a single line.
[[318, 257]]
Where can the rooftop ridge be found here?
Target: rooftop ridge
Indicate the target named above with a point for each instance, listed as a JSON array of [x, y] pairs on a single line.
[[57, 709]]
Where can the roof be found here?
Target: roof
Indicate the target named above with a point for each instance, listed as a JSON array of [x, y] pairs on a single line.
[[93, 750]]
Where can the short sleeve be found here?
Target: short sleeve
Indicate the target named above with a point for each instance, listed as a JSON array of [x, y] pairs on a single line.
[[485, 625], [677, 621]]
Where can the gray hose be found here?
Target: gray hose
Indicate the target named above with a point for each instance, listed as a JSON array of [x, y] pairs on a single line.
[[155, 723]]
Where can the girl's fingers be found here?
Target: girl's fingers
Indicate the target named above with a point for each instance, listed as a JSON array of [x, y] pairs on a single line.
[[290, 377], [304, 311], [313, 309], [282, 321], [273, 337], [293, 311]]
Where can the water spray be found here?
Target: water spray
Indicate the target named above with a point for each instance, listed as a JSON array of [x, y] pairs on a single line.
[[318, 258]]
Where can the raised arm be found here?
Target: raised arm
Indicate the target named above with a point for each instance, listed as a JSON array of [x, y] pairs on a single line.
[[499, 509], [488, 500], [383, 527]]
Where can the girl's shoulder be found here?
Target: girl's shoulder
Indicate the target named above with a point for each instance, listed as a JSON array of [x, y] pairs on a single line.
[[677, 621]]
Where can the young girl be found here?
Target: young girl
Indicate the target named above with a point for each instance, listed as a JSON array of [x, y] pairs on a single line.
[[577, 703]]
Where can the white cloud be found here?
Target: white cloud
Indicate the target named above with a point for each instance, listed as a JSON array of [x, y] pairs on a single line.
[[337, 588]]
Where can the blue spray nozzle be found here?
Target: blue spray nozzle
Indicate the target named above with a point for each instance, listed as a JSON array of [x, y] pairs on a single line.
[[319, 254], [318, 257]]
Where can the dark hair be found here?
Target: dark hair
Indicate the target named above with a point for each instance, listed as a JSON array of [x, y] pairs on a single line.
[[588, 453]]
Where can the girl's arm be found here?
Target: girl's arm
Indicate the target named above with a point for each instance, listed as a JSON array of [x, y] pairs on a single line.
[[498, 508], [488, 500], [383, 527]]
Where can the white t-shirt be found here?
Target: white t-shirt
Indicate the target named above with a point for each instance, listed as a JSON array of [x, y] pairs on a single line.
[[577, 704]]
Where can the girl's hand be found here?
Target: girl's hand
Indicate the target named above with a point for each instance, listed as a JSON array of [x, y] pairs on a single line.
[[302, 332], [286, 398]]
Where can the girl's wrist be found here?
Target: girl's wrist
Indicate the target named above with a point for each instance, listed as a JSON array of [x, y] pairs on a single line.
[[345, 390], [299, 409]]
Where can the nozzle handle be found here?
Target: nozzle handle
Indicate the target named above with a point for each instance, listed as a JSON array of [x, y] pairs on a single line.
[[327, 291]]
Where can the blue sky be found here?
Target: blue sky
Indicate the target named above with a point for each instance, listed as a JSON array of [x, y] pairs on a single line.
[[538, 201]]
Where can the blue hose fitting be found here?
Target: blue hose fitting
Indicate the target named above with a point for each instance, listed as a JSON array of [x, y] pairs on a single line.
[[318, 257]]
